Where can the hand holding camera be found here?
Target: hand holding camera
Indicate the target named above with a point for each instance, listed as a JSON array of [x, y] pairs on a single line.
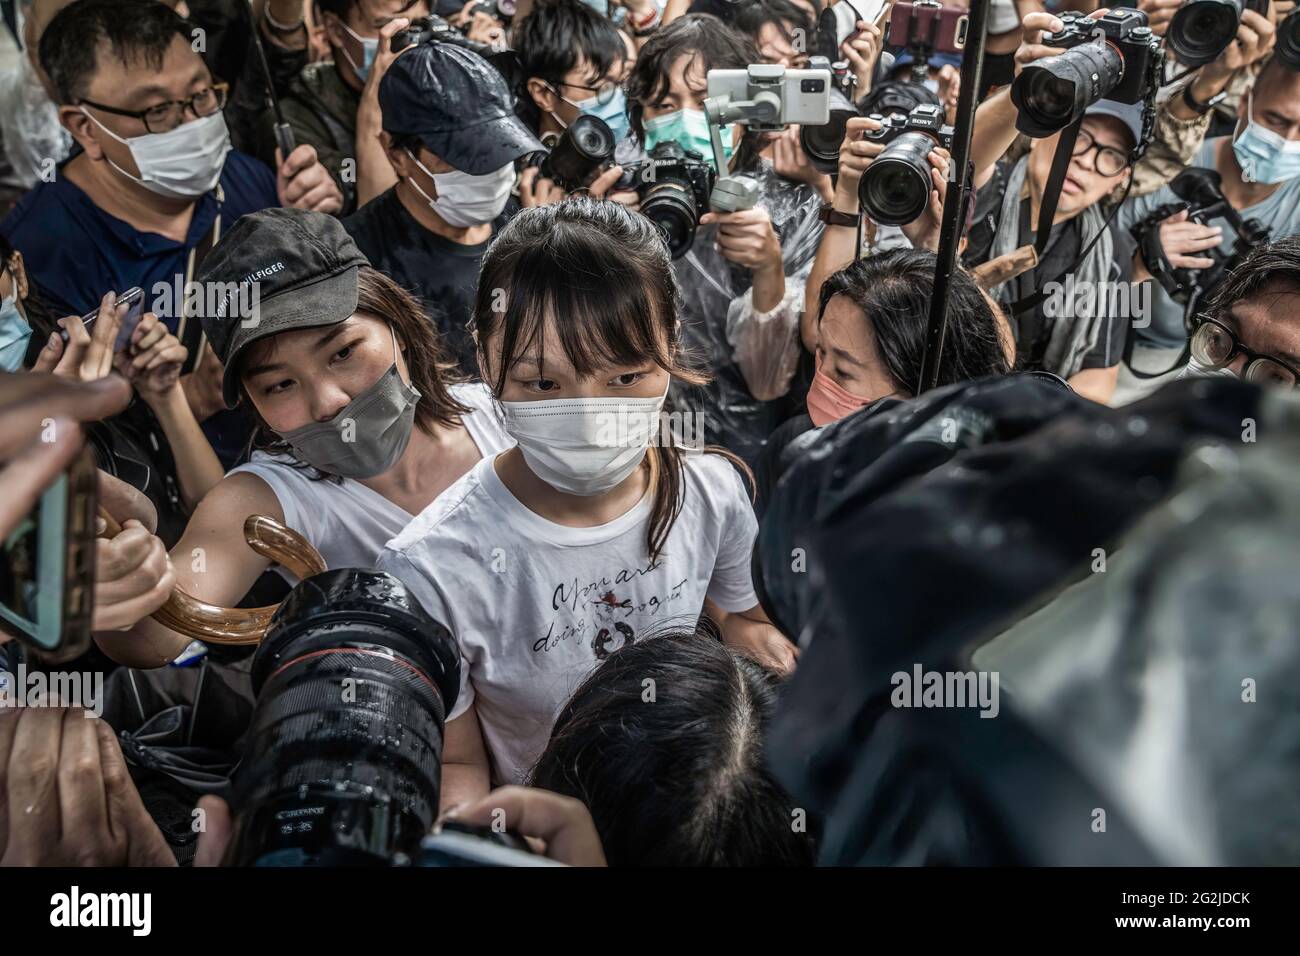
[[1160, 13], [1255, 38], [1181, 239], [856, 153]]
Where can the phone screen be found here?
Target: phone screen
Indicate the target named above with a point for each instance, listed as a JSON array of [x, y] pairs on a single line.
[[46, 584]]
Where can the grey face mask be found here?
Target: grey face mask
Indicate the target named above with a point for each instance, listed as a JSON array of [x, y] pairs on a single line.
[[368, 436]]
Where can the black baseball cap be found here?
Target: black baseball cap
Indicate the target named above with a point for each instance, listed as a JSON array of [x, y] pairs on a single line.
[[457, 104], [281, 269]]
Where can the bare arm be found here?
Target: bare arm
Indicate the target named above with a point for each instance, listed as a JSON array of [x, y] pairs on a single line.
[[212, 562], [1097, 384], [374, 172], [465, 773], [753, 634]]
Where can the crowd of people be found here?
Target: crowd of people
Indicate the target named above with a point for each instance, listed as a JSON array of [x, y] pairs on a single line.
[[440, 335]]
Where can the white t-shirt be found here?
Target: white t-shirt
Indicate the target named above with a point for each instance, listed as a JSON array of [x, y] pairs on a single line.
[[347, 522], [535, 606]]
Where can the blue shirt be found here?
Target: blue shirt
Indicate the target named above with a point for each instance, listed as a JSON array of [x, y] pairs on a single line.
[[75, 252]]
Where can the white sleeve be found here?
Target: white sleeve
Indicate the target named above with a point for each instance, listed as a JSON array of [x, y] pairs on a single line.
[[731, 587], [426, 592], [286, 484], [766, 344]]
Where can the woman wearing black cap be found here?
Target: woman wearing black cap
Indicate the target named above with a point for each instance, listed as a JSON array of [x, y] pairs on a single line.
[[359, 428]]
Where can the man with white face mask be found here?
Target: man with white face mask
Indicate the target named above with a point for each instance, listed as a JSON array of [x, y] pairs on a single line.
[[1259, 166], [452, 138], [153, 179]]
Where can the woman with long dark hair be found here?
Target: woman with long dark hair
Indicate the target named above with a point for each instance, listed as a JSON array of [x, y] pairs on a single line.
[[598, 525]]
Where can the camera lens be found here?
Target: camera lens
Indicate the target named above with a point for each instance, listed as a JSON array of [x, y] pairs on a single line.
[[585, 145], [670, 205], [896, 186], [821, 144], [1288, 41], [1202, 29], [354, 682], [1053, 92]]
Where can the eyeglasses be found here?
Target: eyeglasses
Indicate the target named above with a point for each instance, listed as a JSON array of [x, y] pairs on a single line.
[[1216, 345], [1109, 162], [603, 93], [165, 117]]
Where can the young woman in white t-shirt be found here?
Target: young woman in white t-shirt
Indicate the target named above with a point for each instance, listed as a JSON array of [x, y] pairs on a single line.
[[332, 393], [584, 537]]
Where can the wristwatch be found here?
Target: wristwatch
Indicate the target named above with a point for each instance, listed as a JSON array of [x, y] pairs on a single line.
[[1197, 107], [833, 217]]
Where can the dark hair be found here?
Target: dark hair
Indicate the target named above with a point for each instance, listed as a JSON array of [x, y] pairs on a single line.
[[751, 15], [698, 36], [607, 272], [551, 40], [426, 362], [340, 8], [893, 289], [1278, 260], [135, 31], [678, 780]]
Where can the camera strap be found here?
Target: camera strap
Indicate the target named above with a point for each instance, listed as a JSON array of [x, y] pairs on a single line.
[[1047, 212]]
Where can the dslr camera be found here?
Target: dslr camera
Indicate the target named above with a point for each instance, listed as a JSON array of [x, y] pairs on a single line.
[[586, 147], [1115, 57], [1202, 29], [674, 186], [436, 29], [1200, 193], [343, 765], [896, 186]]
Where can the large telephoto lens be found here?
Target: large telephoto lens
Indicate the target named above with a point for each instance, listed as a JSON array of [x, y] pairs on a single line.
[[1288, 41], [1053, 92], [585, 146], [344, 757], [1202, 29], [896, 186], [670, 205], [821, 143]]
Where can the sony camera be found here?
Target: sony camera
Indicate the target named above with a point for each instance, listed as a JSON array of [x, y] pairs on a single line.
[[1115, 57], [674, 185], [1200, 193], [896, 186], [343, 763], [585, 147], [1202, 29]]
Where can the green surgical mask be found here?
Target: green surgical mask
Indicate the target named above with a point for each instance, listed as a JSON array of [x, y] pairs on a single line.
[[690, 130]]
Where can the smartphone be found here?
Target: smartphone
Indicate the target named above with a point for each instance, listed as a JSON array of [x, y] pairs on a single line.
[[940, 29], [805, 94], [48, 561], [132, 300]]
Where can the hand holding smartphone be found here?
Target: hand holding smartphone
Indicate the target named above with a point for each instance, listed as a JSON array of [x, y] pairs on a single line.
[[129, 308]]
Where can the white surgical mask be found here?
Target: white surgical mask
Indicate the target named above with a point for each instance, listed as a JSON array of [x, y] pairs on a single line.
[[584, 446], [465, 200], [183, 163]]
